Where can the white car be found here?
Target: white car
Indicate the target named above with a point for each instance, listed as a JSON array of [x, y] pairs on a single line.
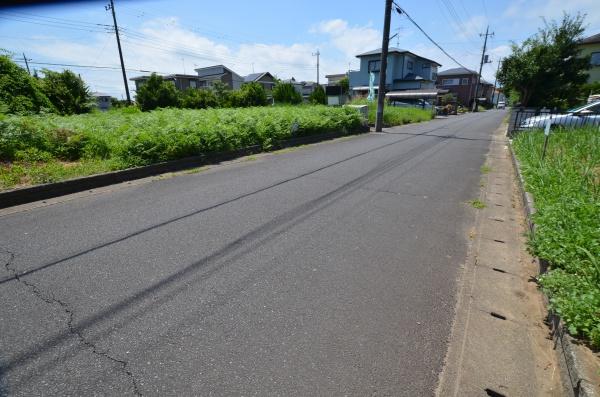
[[588, 114], [501, 105]]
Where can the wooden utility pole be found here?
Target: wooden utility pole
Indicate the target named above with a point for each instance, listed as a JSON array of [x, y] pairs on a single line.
[[26, 64], [496, 81], [111, 7], [385, 42], [317, 54], [475, 104]]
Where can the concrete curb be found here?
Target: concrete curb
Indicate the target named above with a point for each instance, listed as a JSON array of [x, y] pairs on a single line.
[[570, 365], [14, 197]]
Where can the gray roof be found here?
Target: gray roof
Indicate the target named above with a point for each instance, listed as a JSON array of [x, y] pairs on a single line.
[[395, 50], [255, 76], [456, 71], [591, 40]]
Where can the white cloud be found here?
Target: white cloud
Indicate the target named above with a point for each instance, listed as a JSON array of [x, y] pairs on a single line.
[[350, 40], [521, 10]]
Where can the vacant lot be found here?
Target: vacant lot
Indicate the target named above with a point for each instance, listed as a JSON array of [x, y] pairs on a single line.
[[566, 190], [40, 149]]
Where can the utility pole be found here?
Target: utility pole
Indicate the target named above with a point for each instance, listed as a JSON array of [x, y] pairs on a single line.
[[475, 104], [26, 63], [111, 7], [496, 80], [385, 42], [317, 55]]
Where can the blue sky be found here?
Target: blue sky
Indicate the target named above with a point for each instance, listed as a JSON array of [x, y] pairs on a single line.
[[278, 36]]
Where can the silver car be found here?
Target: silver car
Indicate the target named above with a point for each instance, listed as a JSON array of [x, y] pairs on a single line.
[[585, 115]]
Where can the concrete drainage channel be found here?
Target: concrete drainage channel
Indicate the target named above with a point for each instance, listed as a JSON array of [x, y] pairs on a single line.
[[499, 345], [574, 360]]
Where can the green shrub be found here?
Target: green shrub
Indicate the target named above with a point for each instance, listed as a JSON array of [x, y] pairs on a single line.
[[566, 190], [285, 93], [156, 93], [251, 94], [198, 99], [19, 92], [67, 92], [395, 115], [318, 97]]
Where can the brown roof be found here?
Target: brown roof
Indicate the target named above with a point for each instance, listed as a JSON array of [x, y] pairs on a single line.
[[591, 40]]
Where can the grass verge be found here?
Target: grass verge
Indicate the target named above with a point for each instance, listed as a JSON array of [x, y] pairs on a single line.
[[566, 190], [50, 148], [393, 116]]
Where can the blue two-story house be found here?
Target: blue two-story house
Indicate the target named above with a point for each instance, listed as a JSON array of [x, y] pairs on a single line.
[[406, 71]]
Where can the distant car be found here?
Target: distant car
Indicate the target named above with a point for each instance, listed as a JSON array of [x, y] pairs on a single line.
[[501, 105], [588, 114]]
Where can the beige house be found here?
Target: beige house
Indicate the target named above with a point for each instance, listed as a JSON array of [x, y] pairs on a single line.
[[591, 46]]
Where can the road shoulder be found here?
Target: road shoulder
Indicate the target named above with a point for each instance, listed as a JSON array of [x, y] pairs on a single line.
[[499, 343]]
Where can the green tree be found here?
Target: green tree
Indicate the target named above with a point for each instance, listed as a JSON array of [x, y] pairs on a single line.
[[345, 83], [222, 93], [19, 92], [67, 92], [547, 69], [318, 96], [286, 93], [157, 93], [255, 94], [198, 99]]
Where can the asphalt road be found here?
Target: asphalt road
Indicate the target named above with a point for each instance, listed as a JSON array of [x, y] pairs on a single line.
[[327, 270]]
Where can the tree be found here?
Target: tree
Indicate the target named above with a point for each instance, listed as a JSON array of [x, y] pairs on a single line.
[[345, 84], [67, 92], [19, 92], [318, 97], [198, 99], [222, 93], [156, 93], [286, 93], [547, 69], [251, 94]]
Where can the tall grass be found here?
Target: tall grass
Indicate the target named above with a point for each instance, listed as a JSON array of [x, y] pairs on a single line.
[[48, 148], [566, 190], [393, 116]]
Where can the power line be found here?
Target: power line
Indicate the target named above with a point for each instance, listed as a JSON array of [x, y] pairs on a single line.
[[55, 25], [85, 66], [400, 10]]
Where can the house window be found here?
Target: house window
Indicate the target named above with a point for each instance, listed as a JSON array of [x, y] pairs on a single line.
[[434, 76], [464, 81], [595, 60], [409, 65], [193, 84], [374, 66], [447, 82]]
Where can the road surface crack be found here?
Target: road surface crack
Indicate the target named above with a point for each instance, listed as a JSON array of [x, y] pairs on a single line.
[[70, 314]]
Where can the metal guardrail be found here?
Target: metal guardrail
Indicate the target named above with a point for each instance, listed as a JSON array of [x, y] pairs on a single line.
[[523, 119]]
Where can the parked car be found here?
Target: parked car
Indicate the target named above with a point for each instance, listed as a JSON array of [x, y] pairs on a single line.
[[501, 105], [588, 114]]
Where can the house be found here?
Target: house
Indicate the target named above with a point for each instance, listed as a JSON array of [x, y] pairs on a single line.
[[462, 82], [334, 79], [591, 46], [209, 75], [103, 101], [181, 81], [408, 77], [205, 78], [304, 88], [265, 79]]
